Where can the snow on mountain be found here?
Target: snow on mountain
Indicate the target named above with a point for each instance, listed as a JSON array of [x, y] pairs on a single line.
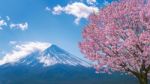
[[55, 55], [47, 56]]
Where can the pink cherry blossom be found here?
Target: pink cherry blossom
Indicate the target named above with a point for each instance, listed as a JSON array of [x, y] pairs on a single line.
[[118, 39]]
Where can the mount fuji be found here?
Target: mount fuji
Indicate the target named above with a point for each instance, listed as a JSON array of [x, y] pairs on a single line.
[[53, 55], [55, 66]]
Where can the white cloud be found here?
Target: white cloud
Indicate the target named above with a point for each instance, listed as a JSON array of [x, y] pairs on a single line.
[[5, 22], [2, 23], [22, 26], [13, 42], [22, 50], [57, 10], [91, 1], [8, 18], [77, 9], [48, 9]]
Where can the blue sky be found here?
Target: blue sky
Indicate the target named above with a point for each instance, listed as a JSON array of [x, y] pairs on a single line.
[[42, 25]]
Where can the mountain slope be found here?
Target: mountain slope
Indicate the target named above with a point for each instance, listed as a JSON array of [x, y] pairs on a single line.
[[51, 56], [59, 74], [56, 55]]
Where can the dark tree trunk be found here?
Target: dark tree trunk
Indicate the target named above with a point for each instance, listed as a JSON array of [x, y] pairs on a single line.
[[142, 79]]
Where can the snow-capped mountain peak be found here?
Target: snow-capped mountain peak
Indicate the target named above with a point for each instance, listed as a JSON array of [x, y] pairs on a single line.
[[55, 55]]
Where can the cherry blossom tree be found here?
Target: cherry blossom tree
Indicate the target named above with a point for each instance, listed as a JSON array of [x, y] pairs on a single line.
[[117, 39]]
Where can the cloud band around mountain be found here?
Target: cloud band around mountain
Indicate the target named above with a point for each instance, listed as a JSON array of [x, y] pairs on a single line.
[[22, 50]]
